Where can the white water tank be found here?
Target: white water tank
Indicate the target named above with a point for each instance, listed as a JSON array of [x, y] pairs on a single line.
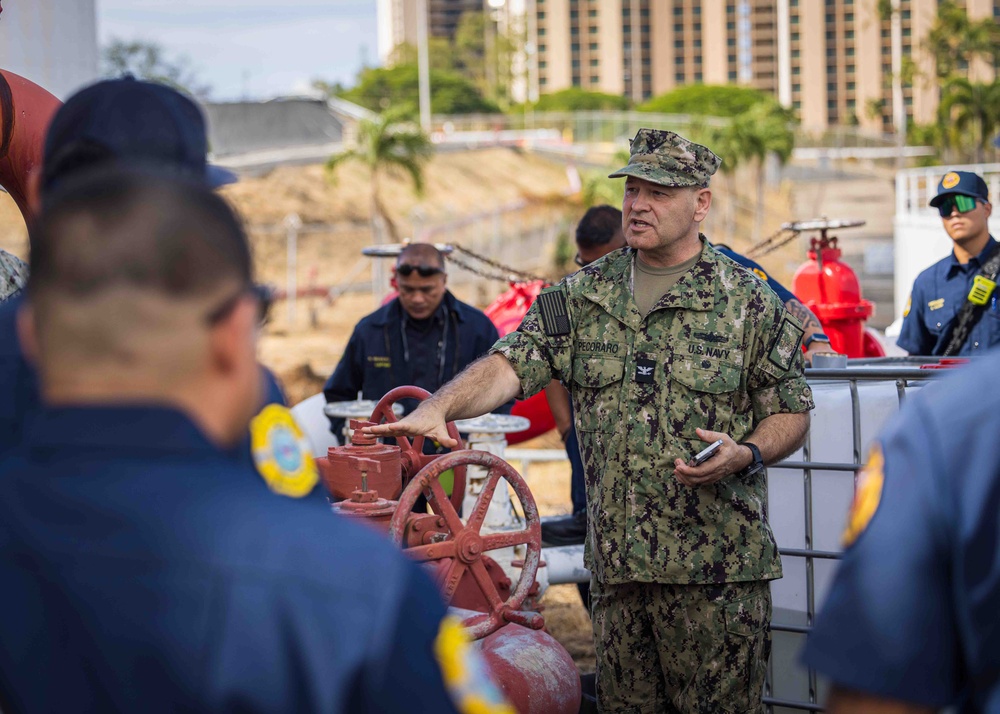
[[51, 42]]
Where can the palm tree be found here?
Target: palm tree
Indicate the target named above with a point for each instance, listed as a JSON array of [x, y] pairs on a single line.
[[969, 109], [387, 144], [727, 143], [763, 130]]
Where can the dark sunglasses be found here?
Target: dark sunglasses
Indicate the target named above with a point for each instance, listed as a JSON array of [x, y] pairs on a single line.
[[263, 295], [963, 204], [580, 261], [424, 271]]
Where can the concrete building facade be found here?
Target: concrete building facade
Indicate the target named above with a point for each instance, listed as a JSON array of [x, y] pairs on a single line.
[[830, 60], [51, 42]]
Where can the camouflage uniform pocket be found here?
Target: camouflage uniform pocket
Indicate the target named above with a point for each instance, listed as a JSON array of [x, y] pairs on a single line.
[[597, 386], [701, 396], [746, 651]]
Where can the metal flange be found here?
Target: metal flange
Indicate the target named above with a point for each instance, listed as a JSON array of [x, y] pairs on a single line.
[[493, 424]]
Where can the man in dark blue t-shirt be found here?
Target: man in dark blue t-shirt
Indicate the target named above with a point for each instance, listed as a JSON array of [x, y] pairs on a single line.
[[141, 565]]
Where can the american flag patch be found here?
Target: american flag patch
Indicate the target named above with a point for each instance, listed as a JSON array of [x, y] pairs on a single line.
[[555, 318]]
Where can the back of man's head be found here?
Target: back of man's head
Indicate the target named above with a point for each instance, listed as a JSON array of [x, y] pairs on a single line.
[[131, 275], [600, 226]]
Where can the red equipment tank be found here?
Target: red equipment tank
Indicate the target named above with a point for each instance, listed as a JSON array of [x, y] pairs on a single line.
[[25, 112], [506, 313], [831, 290]]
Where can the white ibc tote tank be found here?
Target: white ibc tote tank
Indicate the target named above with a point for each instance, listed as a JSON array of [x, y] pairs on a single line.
[[51, 42]]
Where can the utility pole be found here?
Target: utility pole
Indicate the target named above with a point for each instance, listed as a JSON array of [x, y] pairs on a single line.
[[423, 67]]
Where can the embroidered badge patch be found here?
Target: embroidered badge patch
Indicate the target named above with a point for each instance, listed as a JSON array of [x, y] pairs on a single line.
[[867, 495], [465, 673], [909, 303], [282, 452], [555, 315], [950, 180], [936, 304], [644, 370], [786, 345]]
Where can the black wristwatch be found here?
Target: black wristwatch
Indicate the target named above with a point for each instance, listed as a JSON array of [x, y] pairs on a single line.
[[815, 337], [757, 465]]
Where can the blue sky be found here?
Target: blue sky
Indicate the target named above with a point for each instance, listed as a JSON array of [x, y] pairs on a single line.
[[252, 48]]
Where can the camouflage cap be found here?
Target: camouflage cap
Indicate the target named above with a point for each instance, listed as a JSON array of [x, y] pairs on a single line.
[[669, 159]]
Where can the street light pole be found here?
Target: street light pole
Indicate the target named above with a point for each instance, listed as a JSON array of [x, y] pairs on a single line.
[[423, 67]]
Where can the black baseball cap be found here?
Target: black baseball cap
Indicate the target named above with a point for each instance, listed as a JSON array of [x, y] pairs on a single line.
[[964, 183], [133, 122]]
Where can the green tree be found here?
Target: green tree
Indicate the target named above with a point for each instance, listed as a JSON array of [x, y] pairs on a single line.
[[388, 144], [954, 40], [575, 99], [758, 133], [970, 112], [147, 60], [440, 54], [709, 100], [381, 88]]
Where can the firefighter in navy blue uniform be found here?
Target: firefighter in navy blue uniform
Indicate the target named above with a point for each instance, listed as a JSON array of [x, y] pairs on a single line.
[[423, 337], [910, 622], [941, 292], [142, 568], [117, 122]]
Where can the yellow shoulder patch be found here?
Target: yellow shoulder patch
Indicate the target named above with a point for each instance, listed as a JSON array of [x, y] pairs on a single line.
[[760, 274], [282, 452], [867, 495], [950, 180], [465, 674], [909, 302]]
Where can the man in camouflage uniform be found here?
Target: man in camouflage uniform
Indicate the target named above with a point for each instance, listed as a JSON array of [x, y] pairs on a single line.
[[680, 554], [13, 275]]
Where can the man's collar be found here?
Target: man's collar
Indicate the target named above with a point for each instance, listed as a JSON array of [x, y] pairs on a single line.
[[117, 428], [611, 280], [974, 263]]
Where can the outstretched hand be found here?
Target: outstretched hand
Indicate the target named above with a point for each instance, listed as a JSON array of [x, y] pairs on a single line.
[[424, 421], [729, 459]]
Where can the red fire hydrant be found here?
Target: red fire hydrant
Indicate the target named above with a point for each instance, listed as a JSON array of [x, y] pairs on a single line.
[[831, 290]]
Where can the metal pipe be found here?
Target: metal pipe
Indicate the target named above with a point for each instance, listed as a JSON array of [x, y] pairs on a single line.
[[565, 564]]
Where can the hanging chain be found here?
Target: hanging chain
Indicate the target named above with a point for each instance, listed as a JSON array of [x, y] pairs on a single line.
[[500, 271], [772, 243]]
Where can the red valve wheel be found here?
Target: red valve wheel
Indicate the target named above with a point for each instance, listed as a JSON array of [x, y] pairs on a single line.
[[412, 454], [465, 545]]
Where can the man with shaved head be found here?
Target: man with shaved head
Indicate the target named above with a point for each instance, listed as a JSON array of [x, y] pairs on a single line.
[[140, 561], [423, 337]]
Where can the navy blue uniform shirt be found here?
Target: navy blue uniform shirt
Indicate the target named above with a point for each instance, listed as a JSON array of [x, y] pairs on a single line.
[[378, 359], [755, 268], [938, 294], [19, 392], [142, 569], [913, 611]]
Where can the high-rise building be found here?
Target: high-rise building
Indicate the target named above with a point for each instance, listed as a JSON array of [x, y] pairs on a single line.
[[397, 20], [830, 60], [833, 61]]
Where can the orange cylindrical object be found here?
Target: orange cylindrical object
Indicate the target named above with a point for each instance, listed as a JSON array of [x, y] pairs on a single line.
[[831, 290]]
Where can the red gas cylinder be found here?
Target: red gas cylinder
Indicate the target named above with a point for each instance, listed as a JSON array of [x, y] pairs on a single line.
[[532, 669], [25, 112], [831, 290], [506, 313]]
